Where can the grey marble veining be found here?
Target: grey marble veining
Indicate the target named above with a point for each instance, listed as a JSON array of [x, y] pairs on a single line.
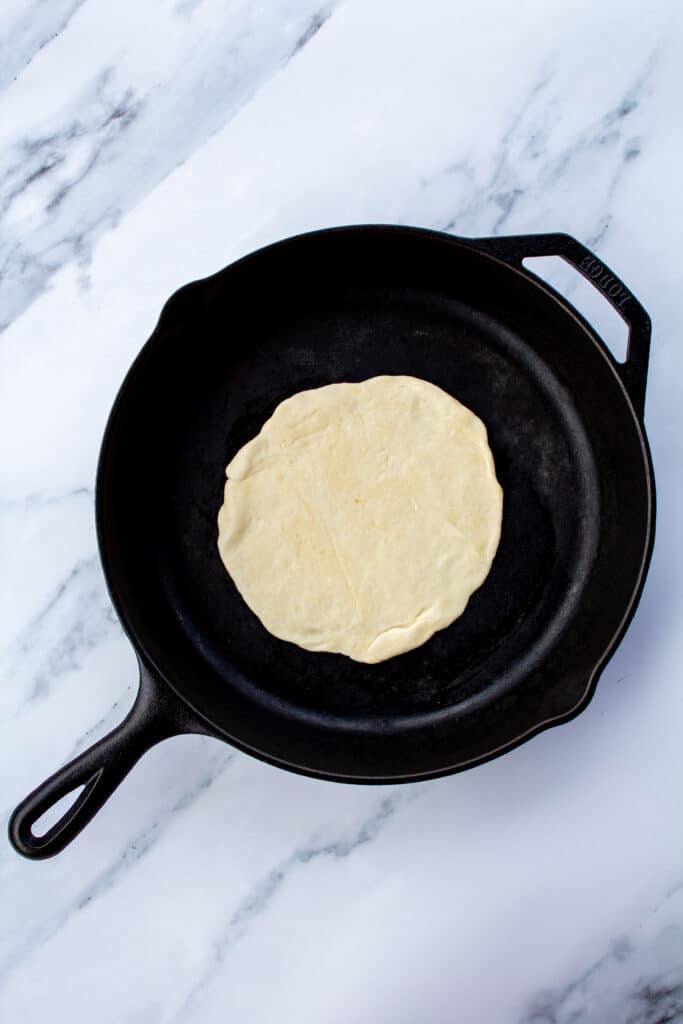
[[638, 981], [68, 178], [27, 28]]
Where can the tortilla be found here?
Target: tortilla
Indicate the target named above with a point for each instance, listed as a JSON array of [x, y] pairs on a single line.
[[362, 517]]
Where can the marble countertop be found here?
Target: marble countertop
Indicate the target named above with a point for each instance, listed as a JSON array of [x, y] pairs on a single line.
[[146, 145]]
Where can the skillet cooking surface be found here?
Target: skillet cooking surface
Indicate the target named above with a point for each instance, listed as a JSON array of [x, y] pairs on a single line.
[[542, 456]]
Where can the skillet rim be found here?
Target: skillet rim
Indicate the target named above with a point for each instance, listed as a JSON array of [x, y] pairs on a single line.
[[483, 248]]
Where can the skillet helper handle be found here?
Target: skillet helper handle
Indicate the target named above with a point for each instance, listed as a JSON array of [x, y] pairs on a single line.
[[100, 770], [633, 372]]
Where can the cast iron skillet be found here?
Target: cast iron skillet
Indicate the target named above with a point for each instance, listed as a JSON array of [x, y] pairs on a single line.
[[566, 429]]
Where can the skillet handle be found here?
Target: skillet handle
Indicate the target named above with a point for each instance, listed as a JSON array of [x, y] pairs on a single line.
[[155, 716], [515, 249]]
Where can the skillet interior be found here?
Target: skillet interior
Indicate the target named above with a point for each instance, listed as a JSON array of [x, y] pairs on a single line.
[[347, 305]]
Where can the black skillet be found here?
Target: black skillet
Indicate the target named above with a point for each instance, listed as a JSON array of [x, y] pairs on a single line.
[[565, 424]]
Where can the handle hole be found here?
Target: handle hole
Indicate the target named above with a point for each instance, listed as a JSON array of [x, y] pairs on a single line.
[[586, 297], [54, 814]]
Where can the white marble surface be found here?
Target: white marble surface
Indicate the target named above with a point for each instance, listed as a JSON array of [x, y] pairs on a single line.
[[143, 145]]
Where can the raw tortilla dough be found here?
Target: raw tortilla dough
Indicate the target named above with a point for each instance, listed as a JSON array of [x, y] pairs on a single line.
[[362, 516]]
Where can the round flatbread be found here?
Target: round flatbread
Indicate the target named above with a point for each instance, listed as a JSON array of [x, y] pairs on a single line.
[[362, 517]]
